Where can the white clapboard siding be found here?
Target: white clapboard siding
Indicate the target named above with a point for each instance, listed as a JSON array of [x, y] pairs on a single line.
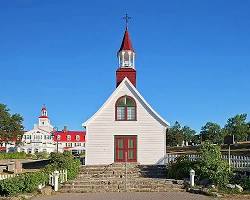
[[101, 129]]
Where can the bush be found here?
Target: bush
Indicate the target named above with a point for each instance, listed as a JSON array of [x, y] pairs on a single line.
[[211, 166], [15, 155], [180, 168], [65, 160], [241, 180], [41, 155], [27, 182]]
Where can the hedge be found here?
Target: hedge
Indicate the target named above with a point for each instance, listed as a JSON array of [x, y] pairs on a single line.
[[29, 182], [15, 155]]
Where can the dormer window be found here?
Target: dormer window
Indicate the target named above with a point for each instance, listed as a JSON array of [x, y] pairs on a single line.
[[125, 109], [77, 137], [68, 137]]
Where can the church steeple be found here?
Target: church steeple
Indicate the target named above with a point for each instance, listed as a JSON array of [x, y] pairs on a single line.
[[126, 59]]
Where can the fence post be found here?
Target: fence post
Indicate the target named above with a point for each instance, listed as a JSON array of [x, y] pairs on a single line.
[[192, 174], [56, 180]]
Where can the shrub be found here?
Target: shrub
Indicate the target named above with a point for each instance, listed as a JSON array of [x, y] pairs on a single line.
[[211, 166], [27, 182], [41, 155], [60, 161], [180, 168], [15, 155], [241, 180]]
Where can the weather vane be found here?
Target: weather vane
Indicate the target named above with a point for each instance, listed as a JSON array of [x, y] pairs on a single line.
[[126, 17]]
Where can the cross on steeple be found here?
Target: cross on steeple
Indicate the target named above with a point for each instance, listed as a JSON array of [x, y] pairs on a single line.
[[126, 17]]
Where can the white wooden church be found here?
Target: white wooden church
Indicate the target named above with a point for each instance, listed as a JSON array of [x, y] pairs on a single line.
[[126, 128]]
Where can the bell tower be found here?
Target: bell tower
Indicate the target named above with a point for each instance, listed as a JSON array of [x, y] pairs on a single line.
[[126, 59], [43, 120]]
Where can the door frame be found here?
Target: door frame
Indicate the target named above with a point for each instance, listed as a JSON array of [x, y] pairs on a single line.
[[125, 138]]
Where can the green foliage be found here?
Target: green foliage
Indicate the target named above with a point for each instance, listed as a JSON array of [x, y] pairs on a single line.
[[241, 180], [11, 126], [180, 168], [41, 155], [15, 155], [177, 134], [27, 182], [212, 132], [237, 126], [211, 165], [64, 160]]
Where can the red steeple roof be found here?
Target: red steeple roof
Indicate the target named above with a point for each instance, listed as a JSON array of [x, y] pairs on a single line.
[[126, 42]]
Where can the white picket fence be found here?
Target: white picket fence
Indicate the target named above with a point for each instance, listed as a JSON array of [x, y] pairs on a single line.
[[63, 177], [236, 161], [6, 176]]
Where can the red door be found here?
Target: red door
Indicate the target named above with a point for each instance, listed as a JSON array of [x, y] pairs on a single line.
[[126, 148]]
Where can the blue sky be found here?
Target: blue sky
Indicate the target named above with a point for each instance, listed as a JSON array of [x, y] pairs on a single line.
[[193, 61]]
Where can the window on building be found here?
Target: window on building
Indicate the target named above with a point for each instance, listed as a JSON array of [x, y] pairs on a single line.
[[68, 137], [77, 137], [125, 109], [68, 144], [58, 137]]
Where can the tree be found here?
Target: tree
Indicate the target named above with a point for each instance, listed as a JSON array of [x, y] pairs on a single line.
[[188, 133], [238, 127], [11, 126], [212, 132], [175, 135]]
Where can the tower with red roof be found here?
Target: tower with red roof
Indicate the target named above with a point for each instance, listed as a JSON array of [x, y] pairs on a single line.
[[126, 60], [43, 120]]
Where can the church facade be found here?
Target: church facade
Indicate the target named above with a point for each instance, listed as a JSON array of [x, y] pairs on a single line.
[[126, 128]]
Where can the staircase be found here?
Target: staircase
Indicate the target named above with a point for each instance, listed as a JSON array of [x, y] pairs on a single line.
[[113, 178]]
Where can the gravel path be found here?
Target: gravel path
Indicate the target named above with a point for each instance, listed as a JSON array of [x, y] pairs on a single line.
[[126, 196]]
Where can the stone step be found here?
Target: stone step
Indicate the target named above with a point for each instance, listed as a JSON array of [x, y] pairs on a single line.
[[120, 189]]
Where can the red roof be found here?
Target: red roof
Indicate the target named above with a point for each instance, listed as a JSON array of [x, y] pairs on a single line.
[[75, 136], [126, 42], [43, 116]]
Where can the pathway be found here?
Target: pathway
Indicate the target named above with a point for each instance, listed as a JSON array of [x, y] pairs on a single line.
[[126, 196]]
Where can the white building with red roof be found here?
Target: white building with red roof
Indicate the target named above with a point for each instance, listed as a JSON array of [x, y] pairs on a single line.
[[70, 140], [126, 128], [44, 138]]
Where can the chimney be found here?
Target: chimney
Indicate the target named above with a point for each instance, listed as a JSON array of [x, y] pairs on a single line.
[[65, 129]]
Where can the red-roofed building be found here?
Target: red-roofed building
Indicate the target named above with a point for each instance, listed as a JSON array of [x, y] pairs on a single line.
[[70, 140], [8, 145], [44, 138]]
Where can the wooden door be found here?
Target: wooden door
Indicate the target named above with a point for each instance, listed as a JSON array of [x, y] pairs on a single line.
[[126, 148]]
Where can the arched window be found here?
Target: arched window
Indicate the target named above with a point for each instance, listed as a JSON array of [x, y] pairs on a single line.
[[125, 109]]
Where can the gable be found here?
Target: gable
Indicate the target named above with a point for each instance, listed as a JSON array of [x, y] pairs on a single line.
[[127, 84]]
